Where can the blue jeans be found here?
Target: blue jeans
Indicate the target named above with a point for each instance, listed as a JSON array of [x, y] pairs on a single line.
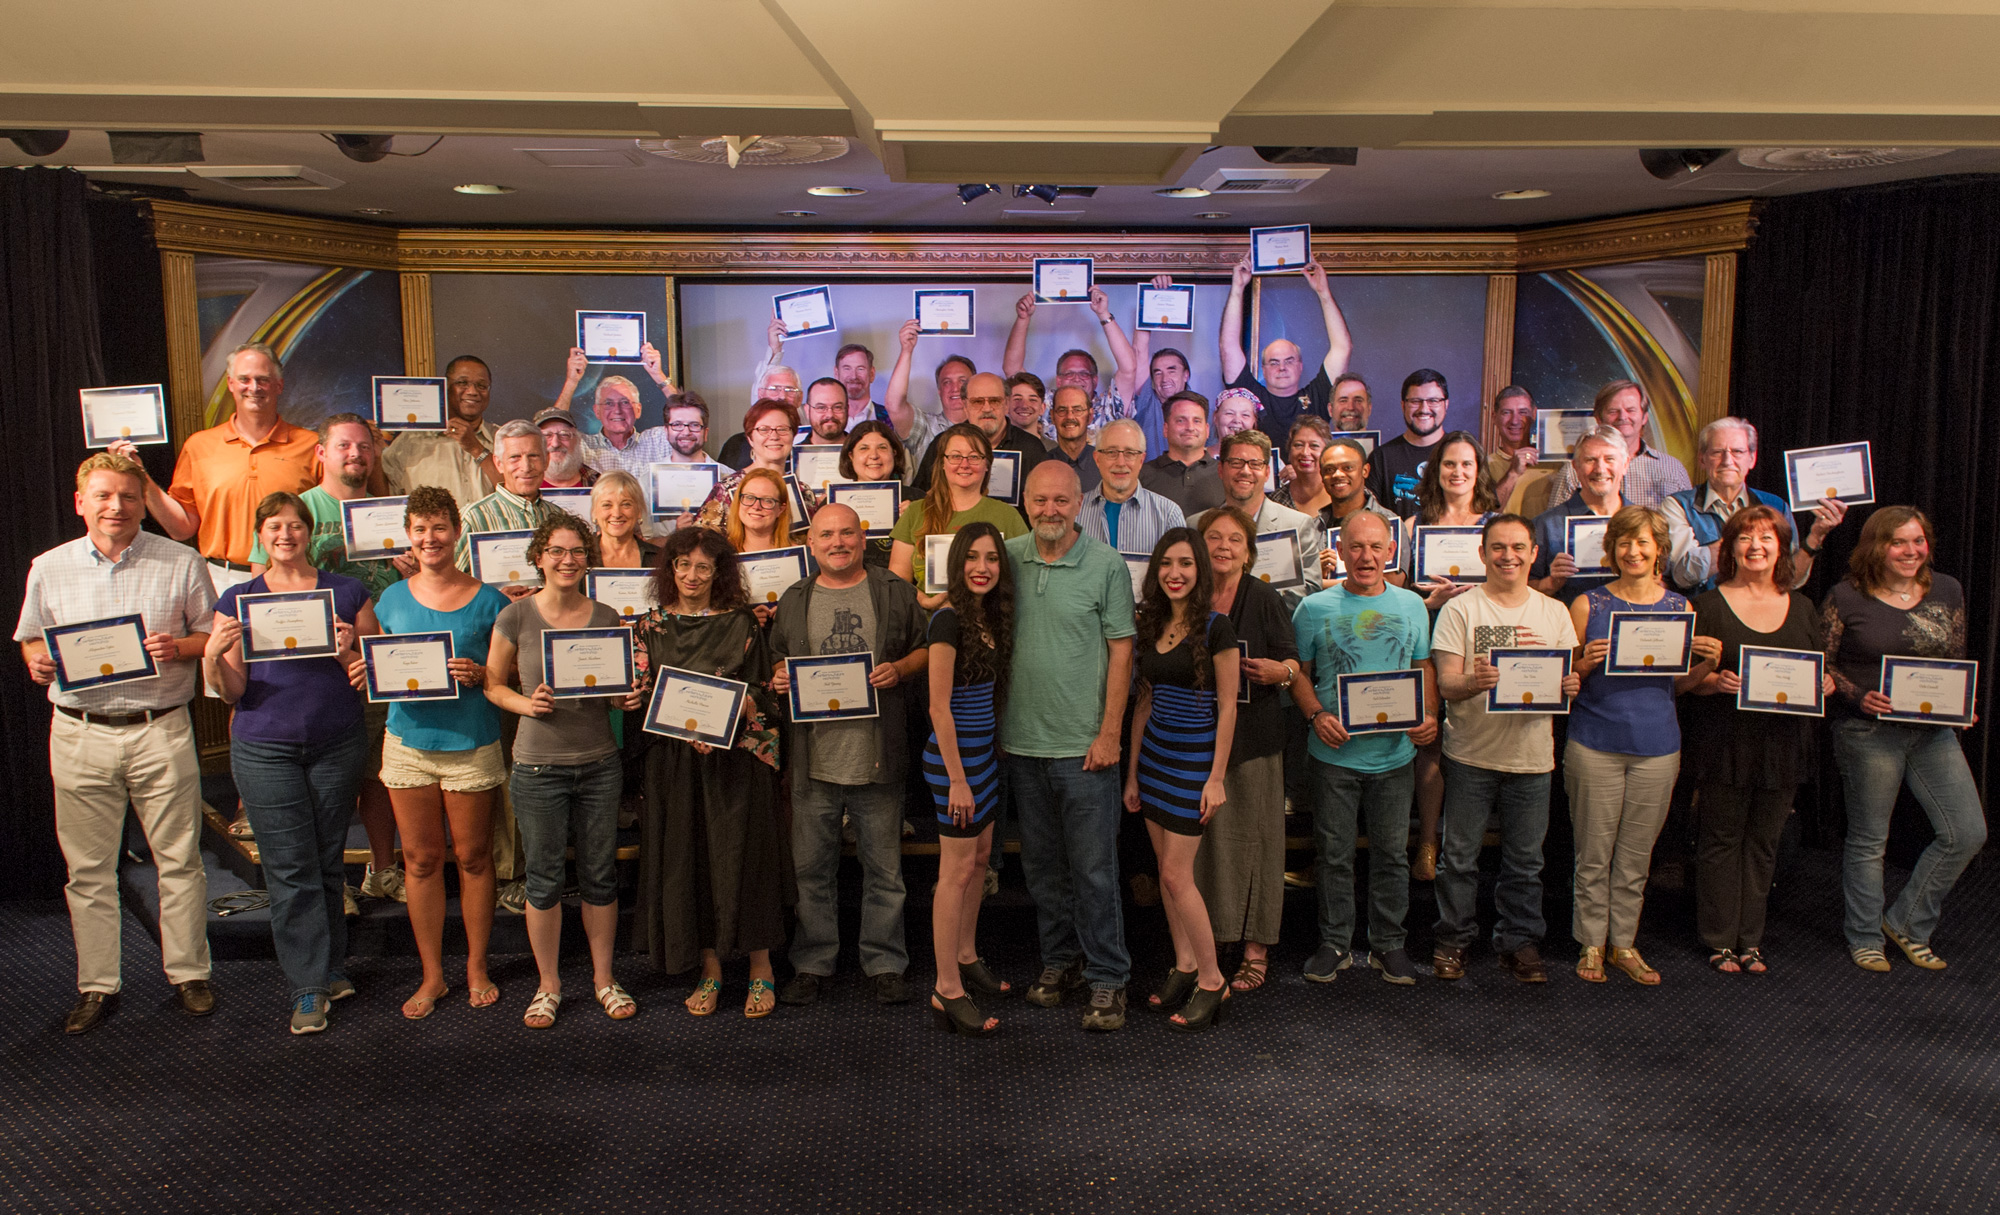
[[1876, 758], [1068, 820], [877, 814], [299, 797], [1522, 800], [552, 801], [1345, 797]]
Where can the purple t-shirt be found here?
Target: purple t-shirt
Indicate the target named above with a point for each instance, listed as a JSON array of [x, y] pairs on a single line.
[[299, 700]]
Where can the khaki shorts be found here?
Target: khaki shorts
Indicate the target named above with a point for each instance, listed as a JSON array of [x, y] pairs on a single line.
[[457, 771]]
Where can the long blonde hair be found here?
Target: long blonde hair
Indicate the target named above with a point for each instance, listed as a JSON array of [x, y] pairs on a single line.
[[782, 529]]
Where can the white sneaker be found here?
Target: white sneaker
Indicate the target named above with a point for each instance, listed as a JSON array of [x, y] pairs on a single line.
[[352, 907], [384, 884]]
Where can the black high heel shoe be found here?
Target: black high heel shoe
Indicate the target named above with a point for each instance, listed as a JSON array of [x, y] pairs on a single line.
[[960, 1016], [981, 981], [1203, 1009], [1175, 991]]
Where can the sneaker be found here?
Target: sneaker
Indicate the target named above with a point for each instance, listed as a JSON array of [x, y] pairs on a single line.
[[1107, 1009], [512, 897], [1048, 991], [1395, 966], [340, 989], [889, 988], [384, 884], [992, 886], [309, 1013], [801, 988], [1448, 962], [1326, 963], [352, 906]]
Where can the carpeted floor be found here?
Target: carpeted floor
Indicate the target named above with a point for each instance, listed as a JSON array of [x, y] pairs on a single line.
[[1819, 1088]]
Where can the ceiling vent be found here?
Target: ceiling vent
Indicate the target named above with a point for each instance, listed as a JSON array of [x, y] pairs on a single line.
[[1264, 179], [1807, 160], [582, 158], [266, 177], [764, 150]]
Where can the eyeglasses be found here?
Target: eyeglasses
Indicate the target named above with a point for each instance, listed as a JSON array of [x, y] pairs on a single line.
[[687, 427], [1425, 400], [1238, 463], [774, 390], [1121, 453], [685, 566], [765, 503], [567, 554], [962, 459], [771, 432]]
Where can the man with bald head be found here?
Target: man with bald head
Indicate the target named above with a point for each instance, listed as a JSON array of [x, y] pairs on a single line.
[[1281, 393], [986, 408], [1121, 512], [1072, 665], [853, 767]]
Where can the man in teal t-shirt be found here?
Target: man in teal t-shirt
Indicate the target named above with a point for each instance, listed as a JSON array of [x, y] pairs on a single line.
[[1353, 627]]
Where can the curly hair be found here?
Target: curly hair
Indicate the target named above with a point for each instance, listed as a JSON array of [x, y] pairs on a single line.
[[1430, 486], [431, 502], [557, 521], [1156, 611], [873, 427], [986, 632], [727, 589]]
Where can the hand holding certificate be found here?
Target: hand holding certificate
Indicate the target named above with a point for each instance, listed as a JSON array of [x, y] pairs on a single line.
[[693, 707], [611, 337], [409, 666], [135, 414], [588, 662], [98, 653], [1651, 643], [1063, 280], [805, 313], [1843, 472], [287, 624], [1531, 681], [1929, 691], [1781, 681], [1283, 250], [1376, 702], [832, 687]]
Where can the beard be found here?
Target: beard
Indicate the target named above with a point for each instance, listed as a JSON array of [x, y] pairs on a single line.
[[567, 467], [1052, 532]]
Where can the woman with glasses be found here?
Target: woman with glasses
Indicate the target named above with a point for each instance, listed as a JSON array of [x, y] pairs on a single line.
[[874, 453], [770, 425], [955, 499], [568, 775], [1303, 489], [619, 508]]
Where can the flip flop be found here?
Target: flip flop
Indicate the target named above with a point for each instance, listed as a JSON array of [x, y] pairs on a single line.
[[491, 990], [426, 1005]]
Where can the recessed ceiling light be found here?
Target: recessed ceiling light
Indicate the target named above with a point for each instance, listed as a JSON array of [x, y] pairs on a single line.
[[836, 191], [798, 214], [1520, 195], [373, 211], [1211, 215], [483, 188], [1182, 192]]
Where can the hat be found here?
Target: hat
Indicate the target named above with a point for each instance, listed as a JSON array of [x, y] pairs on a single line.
[[552, 414]]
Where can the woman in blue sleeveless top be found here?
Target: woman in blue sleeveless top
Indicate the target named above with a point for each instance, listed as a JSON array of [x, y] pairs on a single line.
[[1185, 722]]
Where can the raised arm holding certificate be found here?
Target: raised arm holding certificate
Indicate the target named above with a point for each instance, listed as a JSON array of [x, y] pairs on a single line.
[[832, 687], [588, 662], [409, 666], [97, 653], [1929, 691], [806, 313], [1530, 681], [694, 707], [876, 503], [1844, 472], [1280, 250], [1167, 308], [283, 625], [1651, 643], [945, 313], [1380, 701], [1781, 681], [682, 487], [135, 414], [628, 592], [769, 574], [1063, 280], [408, 402], [372, 528], [611, 337]]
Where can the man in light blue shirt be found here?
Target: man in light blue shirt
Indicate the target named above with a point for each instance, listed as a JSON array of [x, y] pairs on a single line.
[[1120, 512]]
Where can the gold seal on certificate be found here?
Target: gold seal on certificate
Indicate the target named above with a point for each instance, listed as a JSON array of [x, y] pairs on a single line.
[[1651, 643], [588, 662], [806, 313], [831, 687], [97, 653], [409, 666], [1381, 701], [694, 707], [286, 625]]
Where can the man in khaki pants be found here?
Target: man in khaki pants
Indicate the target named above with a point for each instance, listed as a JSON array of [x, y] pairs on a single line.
[[114, 742]]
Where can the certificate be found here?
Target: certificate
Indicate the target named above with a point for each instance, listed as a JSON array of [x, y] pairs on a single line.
[[1283, 250], [572, 499], [1369, 439], [1137, 564], [372, 528], [1063, 280], [1451, 553], [1278, 560], [1651, 643], [948, 313], [98, 653], [409, 666], [1381, 701], [1004, 477], [833, 687], [937, 562], [587, 662], [501, 558], [806, 313], [1530, 681], [1782, 681], [815, 464], [1845, 472], [1170, 308], [769, 574], [801, 509], [409, 402], [628, 592], [611, 337], [287, 624], [136, 413], [683, 487], [694, 707], [1583, 540], [876, 502], [1557, 430], [1934, 691]]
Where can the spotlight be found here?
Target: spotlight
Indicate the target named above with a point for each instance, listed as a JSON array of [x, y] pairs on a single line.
[[37, 143], [1669, 163], [365, 148], [967, 193], [1047, 194]]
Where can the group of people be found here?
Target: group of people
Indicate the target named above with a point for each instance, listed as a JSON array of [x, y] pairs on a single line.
[[1034, 679]]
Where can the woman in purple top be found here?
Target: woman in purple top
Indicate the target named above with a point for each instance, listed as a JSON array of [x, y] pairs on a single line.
[[297, 748]]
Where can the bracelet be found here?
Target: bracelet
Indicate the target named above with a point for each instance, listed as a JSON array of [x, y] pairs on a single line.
[[1289, 673], [1808, 549], [1109, 319]]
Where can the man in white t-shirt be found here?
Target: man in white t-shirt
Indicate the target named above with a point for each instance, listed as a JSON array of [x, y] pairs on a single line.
[[1495, 762]]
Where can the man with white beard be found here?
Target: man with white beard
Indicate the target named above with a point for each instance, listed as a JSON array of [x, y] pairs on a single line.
[[565, 443]]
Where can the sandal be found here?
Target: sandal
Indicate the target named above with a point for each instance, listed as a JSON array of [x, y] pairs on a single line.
[[976, 977], [1250, 975], [424, 1005], [1724, 960], [707, 995], [616, 1004], [1872, 960], [1174, 992], [542, 1010], [1590, 965], [1916, 951], [1628, 960], [1204, 1009], [762, 1001], [491, 992], [959, 1015], [1753, 961]]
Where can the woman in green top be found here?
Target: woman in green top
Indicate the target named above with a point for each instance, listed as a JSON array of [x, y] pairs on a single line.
[[955, 499]]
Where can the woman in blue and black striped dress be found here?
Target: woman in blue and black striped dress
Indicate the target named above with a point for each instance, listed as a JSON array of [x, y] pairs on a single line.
[[971, 643], [1185, 722]]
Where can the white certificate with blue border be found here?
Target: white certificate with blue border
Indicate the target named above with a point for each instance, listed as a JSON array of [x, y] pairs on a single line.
[[1451, 553], [1583, 540], [1530, 680], [945, 313], [1929, 691], [1377, 702], [1557, 430], [572, 499], [769, 574], [611, 337], [372, 528], [1781, 681], [501, 558], [99, 653], [409, 402], [1844, 471], [806, 313], [677, 488], [801, 509], [876, 502], [1004, 478], [937, 562], [1170, 308], [628, 592], [409, 666], [1284, 250], [134, 413], [694, 707], [587, 662], [282, 625], [1650, 643], [815, 465], [1063, 280], [1279, 561], [832, 687]]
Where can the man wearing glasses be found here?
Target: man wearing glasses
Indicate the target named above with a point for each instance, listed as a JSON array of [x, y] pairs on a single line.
[[1070, 414], [687, 429], [1119, 511], [1281, 394], [619, 443], [1399, 463], [826, 412], [1246, 458], [986, 408]]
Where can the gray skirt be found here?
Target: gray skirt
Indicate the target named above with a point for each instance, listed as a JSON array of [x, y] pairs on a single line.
[[1240, 869]]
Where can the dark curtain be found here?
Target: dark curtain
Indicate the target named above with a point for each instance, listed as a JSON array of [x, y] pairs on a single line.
[[1875, 314]]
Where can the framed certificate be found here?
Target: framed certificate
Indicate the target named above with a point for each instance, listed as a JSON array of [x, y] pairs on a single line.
[[1167, 308], [1063, 280], [372, 528], [694, 707], [1278, 560], [682, 487], [937, 560], [769, 574], [573, 499], [1930, 691], [409, 666], [136, 413], [1004, 482], [832, 687], [409, 402], [944, 313], [611, 337], [99, 653], [628, 592], [587, 662], [806, 313], [1530, 681], [1450, 553], [877, 502], [1378, 702], [1844, 471], [1283, 250], [1782, 681], [283, 625], [1651, 643], [802, 510], [1136, 564], [1583, 540], [501, 558], [816, 464], [1369, 439], [1557, 430]]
